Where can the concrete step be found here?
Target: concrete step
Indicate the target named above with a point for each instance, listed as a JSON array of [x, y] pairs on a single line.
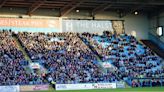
[[21, 49]]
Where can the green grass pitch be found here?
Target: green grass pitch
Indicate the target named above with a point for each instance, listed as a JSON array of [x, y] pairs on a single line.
[[146, 89]]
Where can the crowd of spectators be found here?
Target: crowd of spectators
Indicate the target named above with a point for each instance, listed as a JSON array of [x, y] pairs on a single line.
[[12, 63], [147, 82], [65, 56], [133, 59], [69, 60]]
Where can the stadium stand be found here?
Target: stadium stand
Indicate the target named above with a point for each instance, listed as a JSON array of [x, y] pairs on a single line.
[[66, 57], [69, 60], [81, 45], [13, 63], [133, 59]]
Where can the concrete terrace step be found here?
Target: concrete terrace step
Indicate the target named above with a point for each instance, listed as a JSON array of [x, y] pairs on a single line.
[[21, 49]]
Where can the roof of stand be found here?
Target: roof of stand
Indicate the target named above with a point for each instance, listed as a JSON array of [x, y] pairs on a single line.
[[95, 6]]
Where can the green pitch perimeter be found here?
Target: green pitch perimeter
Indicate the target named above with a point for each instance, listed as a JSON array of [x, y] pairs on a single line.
[[146, 89]]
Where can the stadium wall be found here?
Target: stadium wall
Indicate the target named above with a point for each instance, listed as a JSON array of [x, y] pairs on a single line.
[[154, 22], [136, 25]]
